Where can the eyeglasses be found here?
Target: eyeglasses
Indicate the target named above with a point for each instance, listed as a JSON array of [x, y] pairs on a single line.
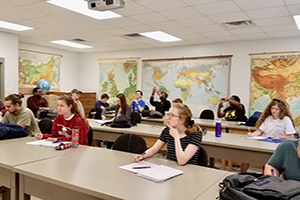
[[171, 115]]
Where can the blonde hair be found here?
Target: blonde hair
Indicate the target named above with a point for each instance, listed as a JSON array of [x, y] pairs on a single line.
[[75, 108], [186, 114], [284, 111]]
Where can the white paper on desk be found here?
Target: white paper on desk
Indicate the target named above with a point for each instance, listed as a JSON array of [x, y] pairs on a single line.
[[99, 121], [160, 173], [46, 143], [255, 137], [139, 164]]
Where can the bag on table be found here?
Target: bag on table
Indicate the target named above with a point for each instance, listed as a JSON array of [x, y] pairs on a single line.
[[251, 186], [9, 131], [121, 122]]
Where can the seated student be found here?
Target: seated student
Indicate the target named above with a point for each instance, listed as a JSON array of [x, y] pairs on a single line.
[[2, 109], [36, 102], [75, 93], [19, 115], [285, 160], [177, 100], [69, 117], [183, 137], [138, 105], [102, 103], [163, 105], [276, 121], [121, 108], [236, 110]]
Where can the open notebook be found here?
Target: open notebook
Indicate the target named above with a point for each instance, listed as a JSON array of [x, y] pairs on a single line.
[[47, 143], [153, 172]]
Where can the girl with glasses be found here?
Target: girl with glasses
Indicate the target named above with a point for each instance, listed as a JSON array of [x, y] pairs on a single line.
[[182, 135], [276, 121]]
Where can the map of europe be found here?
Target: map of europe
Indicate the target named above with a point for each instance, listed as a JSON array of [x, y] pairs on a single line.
[[36, 66], [200, 83], [118, 76], [276, 76]]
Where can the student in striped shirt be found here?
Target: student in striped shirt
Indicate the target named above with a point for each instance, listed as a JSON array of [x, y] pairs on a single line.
[[182, 135]]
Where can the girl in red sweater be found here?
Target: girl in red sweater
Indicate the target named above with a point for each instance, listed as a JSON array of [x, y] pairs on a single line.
[[69, 117]]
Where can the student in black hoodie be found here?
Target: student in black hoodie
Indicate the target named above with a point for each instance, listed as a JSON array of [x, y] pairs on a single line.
[[163, 105]]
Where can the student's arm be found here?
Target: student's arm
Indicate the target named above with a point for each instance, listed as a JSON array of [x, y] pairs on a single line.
[[182, 156], [107, 109], [236, 103], [152, 102], [32, 106], [284, 136], [220, 114], [255, 133], [141, 105], [270, 170], [128, 112], [150, 152]]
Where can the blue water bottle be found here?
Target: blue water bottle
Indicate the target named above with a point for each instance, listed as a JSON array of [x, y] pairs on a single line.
[[218, 128]]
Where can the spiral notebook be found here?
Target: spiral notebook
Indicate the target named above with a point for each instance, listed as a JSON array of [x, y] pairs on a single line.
[[153, 172]]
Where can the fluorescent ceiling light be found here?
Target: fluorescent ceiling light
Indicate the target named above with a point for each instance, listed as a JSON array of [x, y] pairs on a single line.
[[15, 27], [71, 44], [81, 6], [161, 36], [297, 20]]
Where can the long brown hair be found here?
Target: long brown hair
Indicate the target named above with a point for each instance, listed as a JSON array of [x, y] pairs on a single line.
[[15, 98], [123, 103], [284, 111], [186, 114], [75, 108]]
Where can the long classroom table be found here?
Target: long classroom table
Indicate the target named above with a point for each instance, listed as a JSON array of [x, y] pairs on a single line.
[[93, 173], [16, 152], [230, 146]]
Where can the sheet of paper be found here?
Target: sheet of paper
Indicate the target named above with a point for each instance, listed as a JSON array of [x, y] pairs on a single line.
[[99, 121], [142, 166], [255, 137], [46, 143]]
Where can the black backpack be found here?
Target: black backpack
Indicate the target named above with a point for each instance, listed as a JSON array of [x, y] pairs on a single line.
[[121, 122], [47, 113], [251, 186], [251, 121]]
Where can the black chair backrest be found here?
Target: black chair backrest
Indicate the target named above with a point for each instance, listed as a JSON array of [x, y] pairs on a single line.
[[203, 157], [146, 107], [135, 118], [90, 113], [207, 114], [45, 125], [90, 136], [130, 143], [98, 114]]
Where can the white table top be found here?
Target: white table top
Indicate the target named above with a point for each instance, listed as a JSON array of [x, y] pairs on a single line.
[[96, 172], [16, 152]]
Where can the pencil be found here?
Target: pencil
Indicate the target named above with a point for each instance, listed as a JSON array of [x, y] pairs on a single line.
[[249, 130]]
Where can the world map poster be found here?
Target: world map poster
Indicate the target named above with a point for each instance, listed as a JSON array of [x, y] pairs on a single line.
[[199, 82], [276, 76], [35, 66], [118, 76]]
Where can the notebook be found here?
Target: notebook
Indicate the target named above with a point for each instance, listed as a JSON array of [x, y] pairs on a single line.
[[47, 143], [153, 172]]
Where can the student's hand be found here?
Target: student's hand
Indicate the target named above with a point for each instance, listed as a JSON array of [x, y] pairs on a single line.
[[138, 158], [103, 117], [220, 105], [102, 107], [51, 139], [174, 132], [224, 99], [38, 136], [249, 134], [154, 90]]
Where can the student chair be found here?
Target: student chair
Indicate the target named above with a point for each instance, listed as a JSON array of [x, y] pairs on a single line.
[[91, 115], [45, 125], [90, 136], [146, 107], [207, 114], [130, 143], [135, 118], [98, 114], [203, 158]]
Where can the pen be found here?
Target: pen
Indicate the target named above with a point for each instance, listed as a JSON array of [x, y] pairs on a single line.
[[142, 154], [249, 130], [272, 172], [141, 167]]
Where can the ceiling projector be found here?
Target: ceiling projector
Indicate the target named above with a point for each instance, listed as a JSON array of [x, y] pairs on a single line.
[[103, 5]]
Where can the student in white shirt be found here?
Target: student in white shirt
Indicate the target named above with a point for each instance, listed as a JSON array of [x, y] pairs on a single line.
[[276, 121]]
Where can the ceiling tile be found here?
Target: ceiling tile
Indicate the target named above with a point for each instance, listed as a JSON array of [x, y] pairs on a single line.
[[230, 17], [290, 2], [208, 28], [198, 21], [197, 2], [283, 34], [253, 36], [23, 2], [288, 27], [139, 29], [294, 9], [159, 5], [226, 38], [132, 8], [122, 22], [258, 4], [245, 30], [273, 21], [165, 25], [181, 13], [268, 13], [149, 18], [217, 8], [217, 34]]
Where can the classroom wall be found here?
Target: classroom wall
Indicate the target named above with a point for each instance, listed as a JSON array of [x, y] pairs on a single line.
[[9, 51], [240, 67]]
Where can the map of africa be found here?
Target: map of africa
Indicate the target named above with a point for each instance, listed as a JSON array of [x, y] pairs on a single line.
[[276, 76], [200, 83], [118, 76], [36, 66]]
